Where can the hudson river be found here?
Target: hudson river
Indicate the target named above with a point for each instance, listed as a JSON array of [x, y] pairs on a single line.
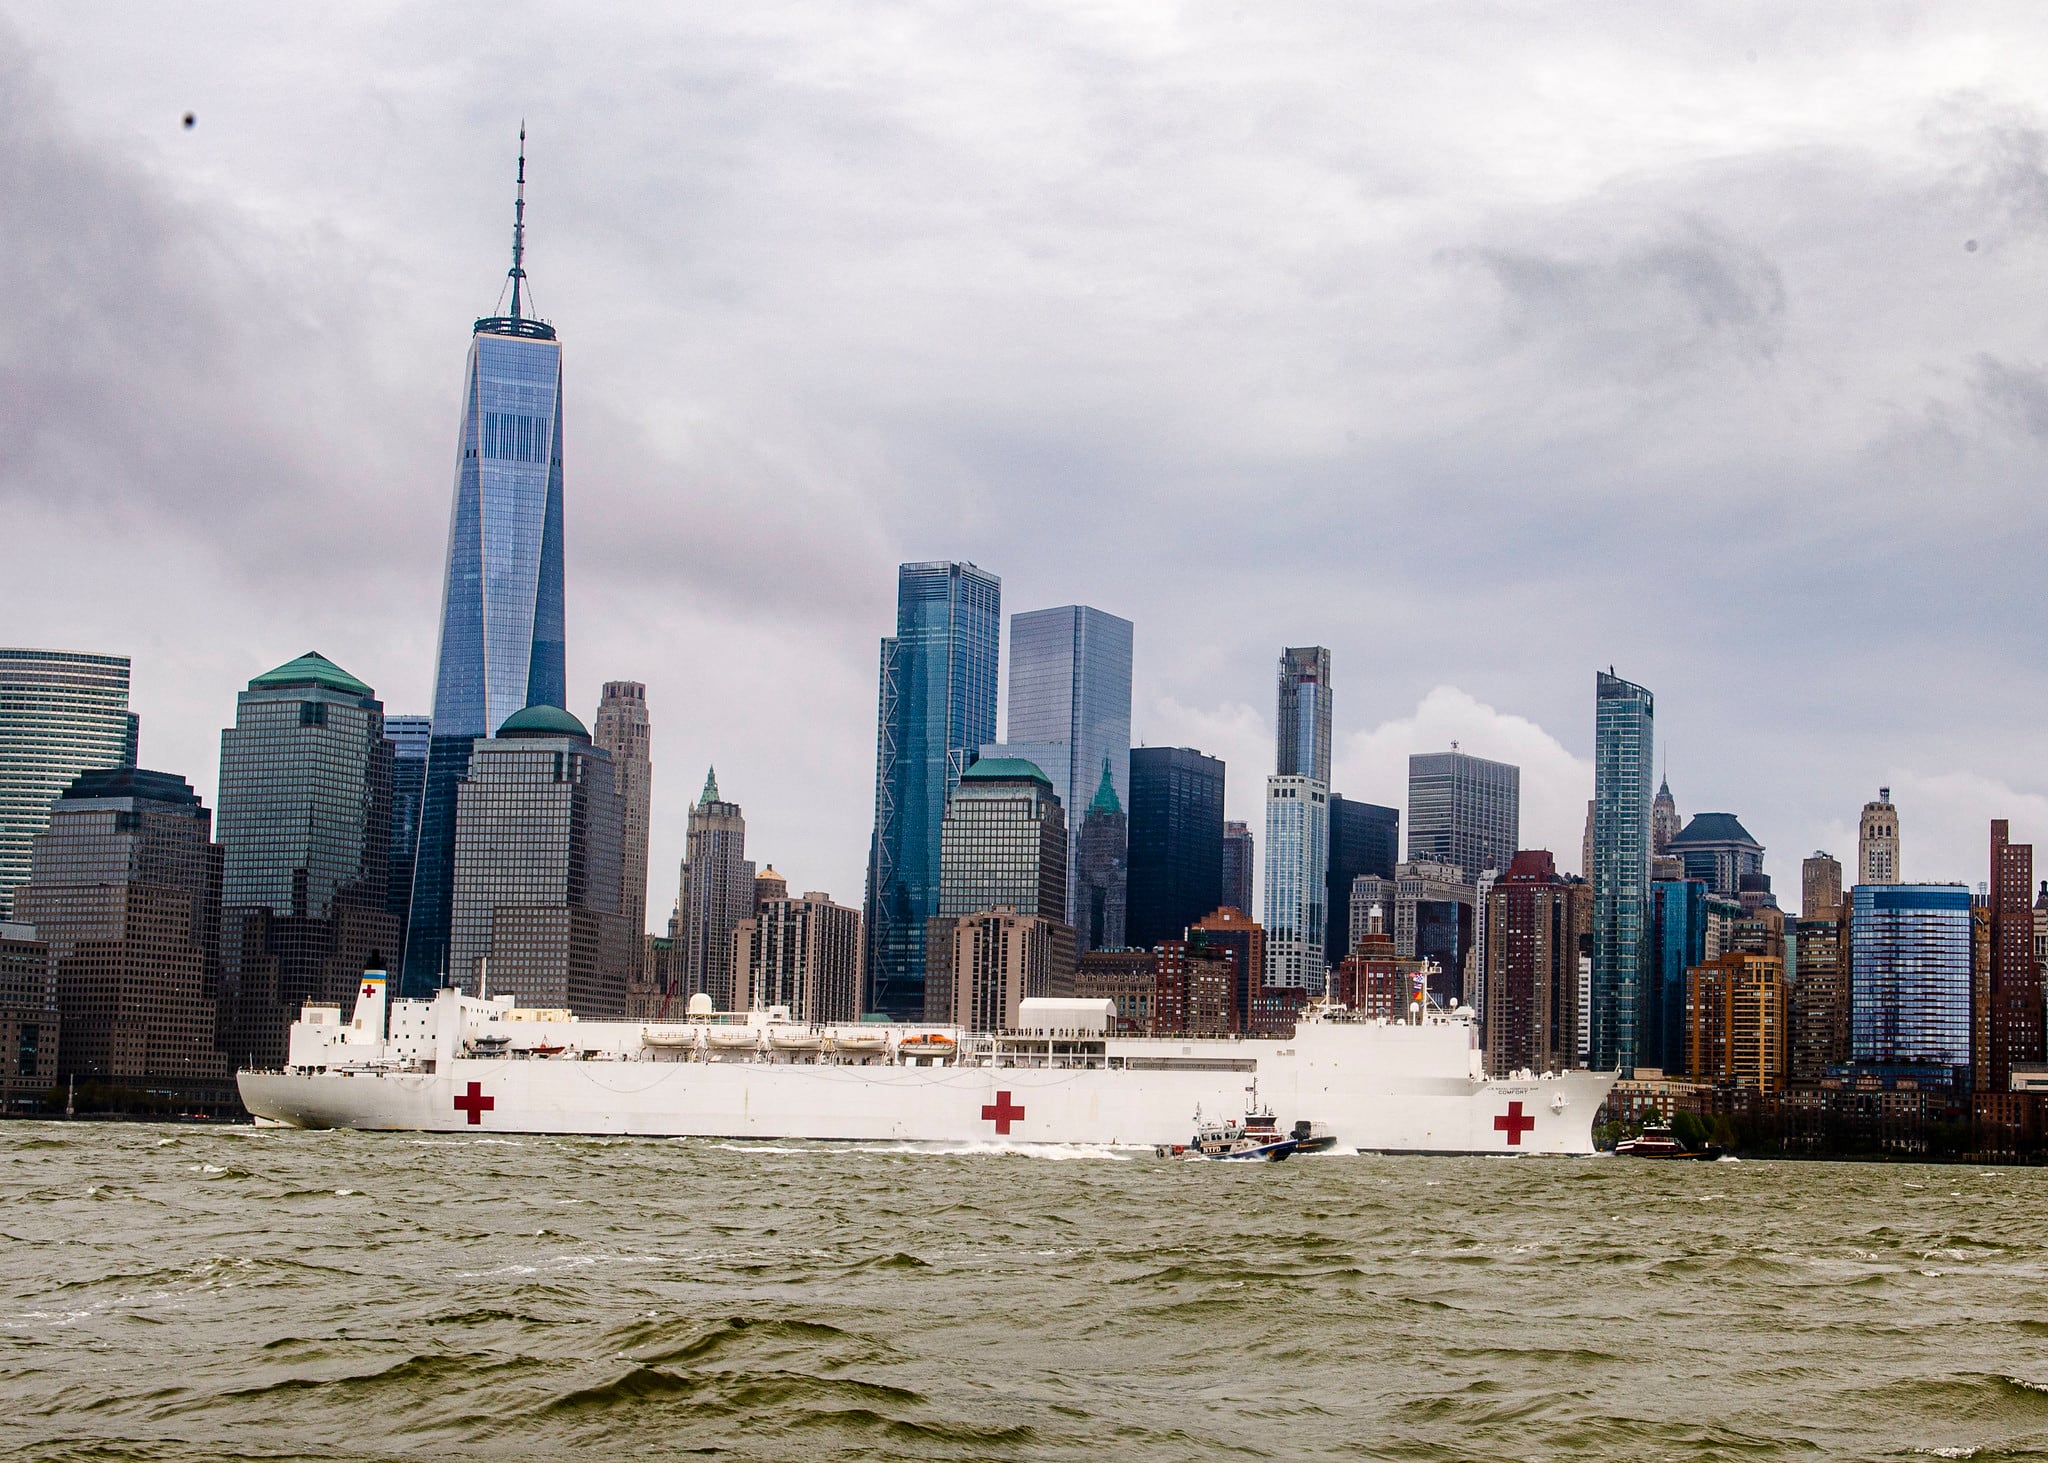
[[196, 1293]]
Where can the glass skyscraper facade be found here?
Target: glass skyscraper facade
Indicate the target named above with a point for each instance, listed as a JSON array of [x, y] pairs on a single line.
[[61, 712], [1297, 895], [410, 738], [305, 835], [1305, 713], [1624, 740], [1678, 942], [502, 626], [1464, 810], [1910, 976], [1365, 838], [937, 705], [1070, 687]]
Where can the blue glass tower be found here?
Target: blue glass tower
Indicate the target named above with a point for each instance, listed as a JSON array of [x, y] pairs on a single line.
[[1910, 976], [501, 606], [1678, 942], [937, 706], [1624, 733]]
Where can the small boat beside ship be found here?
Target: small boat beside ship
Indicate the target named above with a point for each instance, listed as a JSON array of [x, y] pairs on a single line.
[[1254, 1138], [1656, 1142]]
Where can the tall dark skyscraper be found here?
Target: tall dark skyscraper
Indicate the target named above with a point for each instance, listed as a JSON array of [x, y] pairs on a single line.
[[1305, 711], [1624, 736], [1364, 839], [1237, 867], [936, 708], [1176, 857], [501, 605], [2013, 1027], [61, 711], [410, 738], [1464, 810], [305, 833]]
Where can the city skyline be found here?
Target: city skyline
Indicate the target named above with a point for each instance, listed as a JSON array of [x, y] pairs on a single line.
[[1814, 752]]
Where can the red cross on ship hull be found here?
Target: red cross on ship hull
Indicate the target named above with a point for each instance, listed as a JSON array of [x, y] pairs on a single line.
[[475, 1103], [1002, 1113], [1514, 1122]]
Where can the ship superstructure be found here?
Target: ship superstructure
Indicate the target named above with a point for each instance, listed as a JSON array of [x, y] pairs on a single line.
[[459, 1062]]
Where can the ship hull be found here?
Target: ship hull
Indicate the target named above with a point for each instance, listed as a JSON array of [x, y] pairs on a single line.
[[1373, 1090]]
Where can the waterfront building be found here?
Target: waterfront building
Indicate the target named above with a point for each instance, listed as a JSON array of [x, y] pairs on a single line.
[[1819, 996], [61, 712], [622, 729], [1664, 820], [30, 1020], [1237, 866], [1536, 921], [1736, 1025], [1909, 981], [1624, 735], [1364, 839], [1175, 863], [1431, 910], [1070, 690], [1678, 942], [990, 961], [411, 737], [502, 610], [937, 704], [2012, 1008], [124, 889], [1304, 714], [539, 838], [1128, 978], [1820, 886], [801, 953], [305, 833], [1198, 989], [1718, 851], [1463, 810], [1100, 876], [1475, 958], [1877, 842], [769, 885], [1297, 889], [716, 892]]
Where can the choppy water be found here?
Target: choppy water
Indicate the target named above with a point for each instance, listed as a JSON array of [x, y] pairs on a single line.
[[170, 1292]]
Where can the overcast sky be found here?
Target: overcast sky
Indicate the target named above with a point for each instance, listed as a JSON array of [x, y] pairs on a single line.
[[1486, 344]]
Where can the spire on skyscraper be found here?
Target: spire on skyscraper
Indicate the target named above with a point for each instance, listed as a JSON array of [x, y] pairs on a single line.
[[710, 787], [518, 323]]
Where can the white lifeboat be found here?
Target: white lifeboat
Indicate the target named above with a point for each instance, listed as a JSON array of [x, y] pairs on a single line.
[[667, 1037], [860, 1043], [794, 1039], [733, 1038]]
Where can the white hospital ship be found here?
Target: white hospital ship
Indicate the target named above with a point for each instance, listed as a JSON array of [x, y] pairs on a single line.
[[464, 1063]]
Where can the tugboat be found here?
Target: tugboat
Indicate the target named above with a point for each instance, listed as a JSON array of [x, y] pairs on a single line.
[[1655, 1142], [1254, 1137], [1313, 1137]]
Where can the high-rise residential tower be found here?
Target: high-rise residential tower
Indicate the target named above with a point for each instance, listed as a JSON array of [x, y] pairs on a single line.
[[1820, 886], [2013, 1014], [936, 707], [622, 730], [1624, 735], [1305, 710], [800, 953], [717, 892], [124, 891], [1909, 976], [1070, 700], [1100, 875], [305, 835], [1877, 842], [1176, 847], [1237, 866], [61, 712], [1463, 810], [1534, 919], [502, 627], [539, 837], [1296, 910]]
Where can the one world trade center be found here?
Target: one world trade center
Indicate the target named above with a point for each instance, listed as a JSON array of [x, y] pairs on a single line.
[[501, 606]]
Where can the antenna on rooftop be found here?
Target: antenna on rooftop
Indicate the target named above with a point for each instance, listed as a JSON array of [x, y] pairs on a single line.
[[519, 224]]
